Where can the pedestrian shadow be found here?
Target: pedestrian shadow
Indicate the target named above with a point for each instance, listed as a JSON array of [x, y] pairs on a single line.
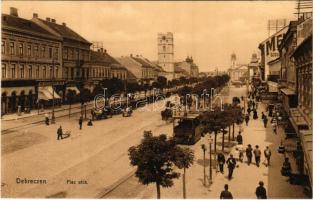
[[205, 163], [67, 134]]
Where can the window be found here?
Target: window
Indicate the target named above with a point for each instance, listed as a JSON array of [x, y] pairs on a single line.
[[37, 71], [76, 54], [56, 72], [43, 52], [13, 71], [12, 48], [50, 52], [44, 72], [65, 56], [164, 48], [56, 56], [30, 71], [29, 50], [4, 71], [51, 72], [36, 51], [22, 75], [21, 49], [3, 47]]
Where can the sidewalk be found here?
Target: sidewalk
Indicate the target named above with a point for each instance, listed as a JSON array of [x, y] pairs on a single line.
[[35, 112], [245, 178]]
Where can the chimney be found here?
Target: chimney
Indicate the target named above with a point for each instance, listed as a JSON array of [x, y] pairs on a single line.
[[53, 20], [64, 24], [48, 19], [13, 11], [35, 15]]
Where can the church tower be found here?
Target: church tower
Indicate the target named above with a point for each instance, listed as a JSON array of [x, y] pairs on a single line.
[[233, 60], [166, 52]]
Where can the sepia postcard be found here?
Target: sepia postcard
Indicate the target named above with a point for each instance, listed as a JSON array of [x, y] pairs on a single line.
[[156, 99]]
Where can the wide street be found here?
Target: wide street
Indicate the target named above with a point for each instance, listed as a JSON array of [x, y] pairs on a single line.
[[245, 179], [98, 155]]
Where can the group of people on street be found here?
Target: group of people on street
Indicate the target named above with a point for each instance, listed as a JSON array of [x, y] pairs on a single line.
[[260, 192]]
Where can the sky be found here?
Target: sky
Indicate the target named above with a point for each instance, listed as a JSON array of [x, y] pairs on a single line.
[[209, 31]]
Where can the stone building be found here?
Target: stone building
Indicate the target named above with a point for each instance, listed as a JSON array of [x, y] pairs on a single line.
[[301, 117], [31, 59], [186, 68], [288, 73], [75, 51], [166, 54]]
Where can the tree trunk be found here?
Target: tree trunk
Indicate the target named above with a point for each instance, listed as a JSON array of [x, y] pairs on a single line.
[[229, 135], [69, 111], [223, 139], [215, 136], [184, 184], [233, 132], [158, 191]]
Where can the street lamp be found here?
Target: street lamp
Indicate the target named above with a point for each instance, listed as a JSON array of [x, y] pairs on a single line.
[[53, 79], [210, 150], [204, 176]]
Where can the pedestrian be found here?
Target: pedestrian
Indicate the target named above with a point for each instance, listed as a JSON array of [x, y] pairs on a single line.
[[256, 105], [253, 104], [257, 155], [221, 162], [47, 119], [265, 121], [274, 124], [263, 115], [239, 138], [249, 110], [231, 164], [89, 123], [249, 153], [225, 194], [247, 118], [286, 168], [267, 154], [255, 114], [261, 191], [60, 133], [80, 122], [93, 114]]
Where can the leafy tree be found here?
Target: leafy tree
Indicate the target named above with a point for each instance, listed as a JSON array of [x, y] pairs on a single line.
[[154, 160], [162, 82], [183, 160]]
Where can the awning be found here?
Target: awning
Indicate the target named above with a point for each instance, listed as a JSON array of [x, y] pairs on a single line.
[[46, 93], [287, 91], [306, 141], [73, 88]]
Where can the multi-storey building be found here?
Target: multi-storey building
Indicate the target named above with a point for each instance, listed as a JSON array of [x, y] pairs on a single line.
[[301, 117], [166, 53], [186, 68], [31, 58], [75, 50]]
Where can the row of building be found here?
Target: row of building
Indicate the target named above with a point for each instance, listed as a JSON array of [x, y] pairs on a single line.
[[42, 60], [286, 66]]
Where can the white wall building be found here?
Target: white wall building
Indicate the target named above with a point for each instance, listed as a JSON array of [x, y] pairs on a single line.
[[166, 53]]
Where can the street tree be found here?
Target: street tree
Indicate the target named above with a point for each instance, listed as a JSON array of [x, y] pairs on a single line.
[[154, 160], [183, 159]]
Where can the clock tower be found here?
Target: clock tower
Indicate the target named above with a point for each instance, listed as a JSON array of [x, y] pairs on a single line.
[[166, 53]]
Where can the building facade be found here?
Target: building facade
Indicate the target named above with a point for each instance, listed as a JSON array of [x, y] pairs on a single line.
[[301, 116], [75, 51], [31, 58], [166, 53]]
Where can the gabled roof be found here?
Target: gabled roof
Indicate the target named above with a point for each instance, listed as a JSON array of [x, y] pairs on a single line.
[[25, 26], [101, 57], [65, 31], [134, 68]]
